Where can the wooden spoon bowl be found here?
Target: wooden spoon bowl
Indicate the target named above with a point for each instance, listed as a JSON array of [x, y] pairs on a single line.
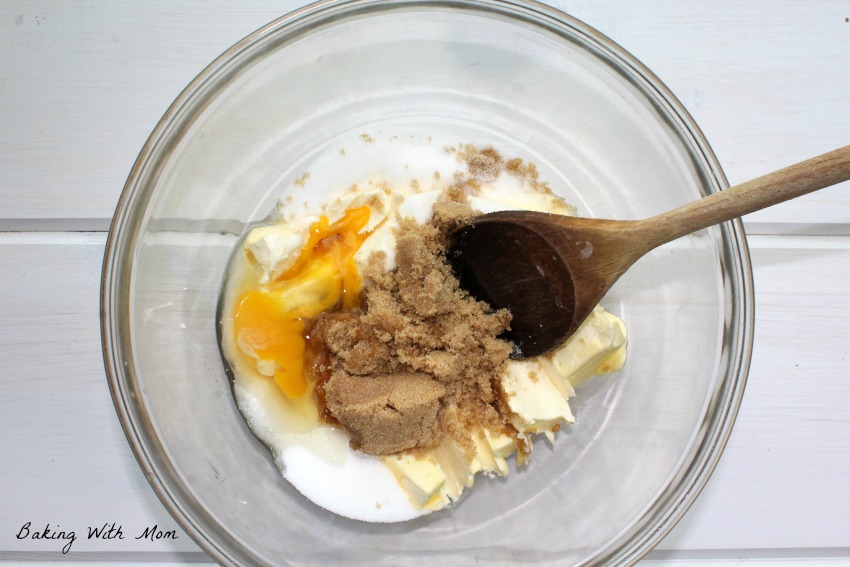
[[550, 270]]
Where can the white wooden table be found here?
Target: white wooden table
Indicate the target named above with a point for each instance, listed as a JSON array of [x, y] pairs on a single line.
[[81, 86]]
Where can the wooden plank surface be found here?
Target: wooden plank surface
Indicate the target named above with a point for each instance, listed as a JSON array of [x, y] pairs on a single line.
[[768, 82], [66, 461], [83, 84], [788, 460], [781, 484]]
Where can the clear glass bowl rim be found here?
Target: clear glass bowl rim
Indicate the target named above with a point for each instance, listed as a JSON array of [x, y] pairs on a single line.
[[659, 517]]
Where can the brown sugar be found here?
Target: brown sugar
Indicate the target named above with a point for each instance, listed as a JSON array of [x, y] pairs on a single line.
[[422, 359], [386, 413], [484, 164], [420, 345]]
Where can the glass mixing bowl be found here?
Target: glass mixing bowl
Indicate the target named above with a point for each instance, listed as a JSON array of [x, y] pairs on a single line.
[[533, 82]]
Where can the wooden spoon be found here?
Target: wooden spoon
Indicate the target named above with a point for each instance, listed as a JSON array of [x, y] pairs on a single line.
[[550, 271]]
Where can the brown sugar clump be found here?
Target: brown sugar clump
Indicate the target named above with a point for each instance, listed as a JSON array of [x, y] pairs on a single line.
[[484, 164], [423, 359], [386, 413], [354, 345]]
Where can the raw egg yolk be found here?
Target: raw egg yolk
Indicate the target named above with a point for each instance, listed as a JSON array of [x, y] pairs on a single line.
[[269, 322]]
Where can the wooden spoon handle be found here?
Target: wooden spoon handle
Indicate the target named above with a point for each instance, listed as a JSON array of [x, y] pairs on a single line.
[[793, 181]]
